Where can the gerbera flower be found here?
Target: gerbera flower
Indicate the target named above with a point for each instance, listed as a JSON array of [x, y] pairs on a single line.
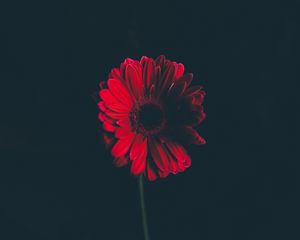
[[148, 110]]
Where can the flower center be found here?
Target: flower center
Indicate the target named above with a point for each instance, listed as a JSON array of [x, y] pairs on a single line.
[[148, 118]]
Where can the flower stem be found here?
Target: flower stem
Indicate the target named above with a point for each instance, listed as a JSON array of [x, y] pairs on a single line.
[[143, 208]]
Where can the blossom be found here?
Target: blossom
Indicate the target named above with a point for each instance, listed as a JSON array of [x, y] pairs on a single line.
[[149, 111]]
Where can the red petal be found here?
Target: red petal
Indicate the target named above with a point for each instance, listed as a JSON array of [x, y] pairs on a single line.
[[138, 155], [198, 98], [135, 81], [193, 90], [135, 149], [173, 165], [168, 76], [108, 140], [188, 162], [159, 156], [193, 136], [122, 132], [108, 123], [104, 118], [100, 116], [139, 142], [115, 73], [116, 115], [143, 60], [102, 106], [163, 174], [181, 167], [200, 117], [180, 85], [123, 66], [112, 102], [179, 70], [197, 108], [151, 91], [128, 61], [151, 175], [172, 162], [124, 122], [117, 107], [122, 146], [120, 92], [108, 127], [187, 78], [157, 74], [160, 60], [107, 97], [148, 65], [139, 68], [178, 152], [121, 161], [154, 88], [177, 88]]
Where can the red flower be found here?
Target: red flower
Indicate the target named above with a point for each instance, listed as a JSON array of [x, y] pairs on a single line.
[[148, 110]]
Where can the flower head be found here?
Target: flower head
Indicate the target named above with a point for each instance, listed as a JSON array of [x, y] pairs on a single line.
[[148, 110]]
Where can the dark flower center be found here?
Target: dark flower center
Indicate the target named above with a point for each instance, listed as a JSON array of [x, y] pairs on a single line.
[[148, 118]]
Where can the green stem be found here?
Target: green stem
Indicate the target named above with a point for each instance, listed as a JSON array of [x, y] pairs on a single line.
[[143, 208]]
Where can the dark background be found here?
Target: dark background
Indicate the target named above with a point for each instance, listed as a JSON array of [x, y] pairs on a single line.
[[57, 180]]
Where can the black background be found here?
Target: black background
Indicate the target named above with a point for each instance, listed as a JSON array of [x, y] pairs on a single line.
[[57, 180]]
